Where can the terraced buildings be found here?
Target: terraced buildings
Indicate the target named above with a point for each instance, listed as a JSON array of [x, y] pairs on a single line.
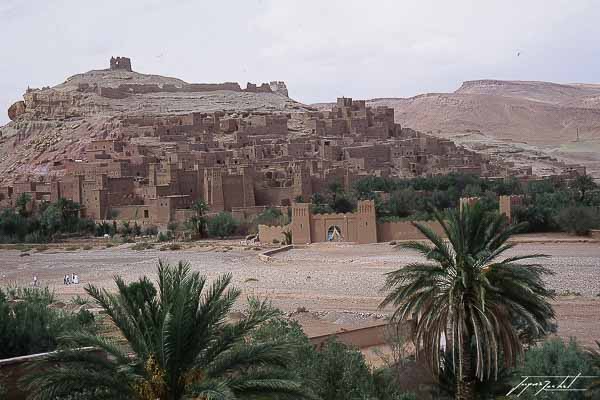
[[141, 147]]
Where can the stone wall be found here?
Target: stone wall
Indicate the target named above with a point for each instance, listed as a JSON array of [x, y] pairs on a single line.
[[404, 230], [358, 227], [127, 89], [266, 234]]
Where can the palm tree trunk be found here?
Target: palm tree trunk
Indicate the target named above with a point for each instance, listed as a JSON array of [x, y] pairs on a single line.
[[465, 384]]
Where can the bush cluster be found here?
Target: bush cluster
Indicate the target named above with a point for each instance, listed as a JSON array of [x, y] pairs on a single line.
[[45, 223], [28, 325]]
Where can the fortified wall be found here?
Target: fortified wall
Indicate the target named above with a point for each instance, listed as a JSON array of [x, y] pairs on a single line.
[[306, 227], [362, 226]]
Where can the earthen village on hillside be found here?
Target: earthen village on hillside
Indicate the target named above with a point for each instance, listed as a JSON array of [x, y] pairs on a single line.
[[150, 165], [318, 236]]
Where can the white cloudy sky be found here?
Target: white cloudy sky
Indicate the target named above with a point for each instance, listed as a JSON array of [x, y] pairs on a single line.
[[321, 48]]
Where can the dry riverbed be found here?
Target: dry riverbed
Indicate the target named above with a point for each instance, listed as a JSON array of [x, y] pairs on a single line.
[[338, 283]]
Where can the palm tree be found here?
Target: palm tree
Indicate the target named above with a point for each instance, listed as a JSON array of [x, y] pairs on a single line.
[[198, 221], [466, 295], [594, 355], [178, 345]]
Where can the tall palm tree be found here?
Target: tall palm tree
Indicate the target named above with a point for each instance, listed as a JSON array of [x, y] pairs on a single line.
[[595, 358], [178, 345], [465, 294], [198, 221]]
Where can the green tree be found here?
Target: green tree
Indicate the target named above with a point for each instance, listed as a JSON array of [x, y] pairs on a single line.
[[401, 203], [466, 294], [126, 229], [69, 211], [178, 345], [334, 372], [21, 204], [222, 225], [583, 184], [198, 221], [335, 188], [12, 225], [341, 204], [51, 220]]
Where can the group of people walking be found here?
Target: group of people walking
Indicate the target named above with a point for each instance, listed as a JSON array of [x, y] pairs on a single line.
[[72, 279]]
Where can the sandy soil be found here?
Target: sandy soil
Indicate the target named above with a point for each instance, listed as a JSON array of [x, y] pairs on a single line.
[[338, 283]]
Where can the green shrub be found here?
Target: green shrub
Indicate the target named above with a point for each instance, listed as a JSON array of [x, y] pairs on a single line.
[[170, 246], [36, 237], [28, 326], [142, 246], [337, 371], [222, 225], [80, 301], [270, 216], [172, 226], [165, 237], [555, 358], [137, 229], [150, 231], [578, 220], [126, 228]]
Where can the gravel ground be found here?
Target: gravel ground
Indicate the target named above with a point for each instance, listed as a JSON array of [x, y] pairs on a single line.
[[320, 271], [332, 280]]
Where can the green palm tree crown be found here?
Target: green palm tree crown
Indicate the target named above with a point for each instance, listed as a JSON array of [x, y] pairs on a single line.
[[464, 293], [178, 346], [594, 355]]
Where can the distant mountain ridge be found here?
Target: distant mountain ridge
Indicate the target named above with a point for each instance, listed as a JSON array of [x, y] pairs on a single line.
[[539, 113]]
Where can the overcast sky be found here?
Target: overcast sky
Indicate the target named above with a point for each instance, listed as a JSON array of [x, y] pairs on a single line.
[[322, 49]]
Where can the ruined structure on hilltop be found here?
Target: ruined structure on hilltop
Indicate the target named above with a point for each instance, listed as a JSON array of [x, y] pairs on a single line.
[[123, 63], [146, 150]]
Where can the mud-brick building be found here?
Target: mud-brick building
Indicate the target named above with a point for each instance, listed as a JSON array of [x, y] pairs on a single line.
[[358, 227], [306, 227]]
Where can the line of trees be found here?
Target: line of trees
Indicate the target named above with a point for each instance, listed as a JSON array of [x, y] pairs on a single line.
[[47, 222], [549, 206]]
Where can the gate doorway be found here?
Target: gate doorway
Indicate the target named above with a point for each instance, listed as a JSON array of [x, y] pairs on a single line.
[[334, 234]]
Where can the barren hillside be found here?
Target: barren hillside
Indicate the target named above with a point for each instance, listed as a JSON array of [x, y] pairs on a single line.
[[511, 117]]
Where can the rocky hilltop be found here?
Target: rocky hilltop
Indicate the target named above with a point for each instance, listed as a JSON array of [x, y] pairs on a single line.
[[539, 113], [55, 123]]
